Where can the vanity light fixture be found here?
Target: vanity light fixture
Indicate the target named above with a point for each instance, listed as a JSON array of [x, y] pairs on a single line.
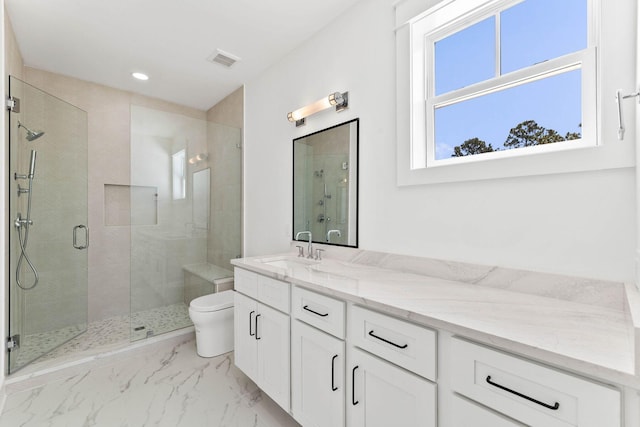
[[140, 76], [198, 158], [337, 99]]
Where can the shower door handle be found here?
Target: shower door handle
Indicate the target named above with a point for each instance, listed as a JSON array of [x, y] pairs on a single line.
[[75, 237]]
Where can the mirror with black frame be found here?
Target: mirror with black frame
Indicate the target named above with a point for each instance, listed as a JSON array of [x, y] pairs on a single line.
[[325, 185]]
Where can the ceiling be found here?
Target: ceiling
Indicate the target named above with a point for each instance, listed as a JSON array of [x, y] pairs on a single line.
[[104, 41]]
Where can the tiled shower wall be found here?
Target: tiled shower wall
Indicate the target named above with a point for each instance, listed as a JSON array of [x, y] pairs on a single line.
[[109, 131], [224, 134]]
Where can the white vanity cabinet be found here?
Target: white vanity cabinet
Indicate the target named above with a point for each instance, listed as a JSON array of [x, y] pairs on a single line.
[[262, 333], [334, 363], [381, 395], [317, 377], [384, 393], [317, 359]]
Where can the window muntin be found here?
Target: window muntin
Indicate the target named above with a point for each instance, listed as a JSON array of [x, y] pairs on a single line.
[[514, 66]]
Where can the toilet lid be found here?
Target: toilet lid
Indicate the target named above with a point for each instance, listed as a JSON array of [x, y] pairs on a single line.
[[213, 302]]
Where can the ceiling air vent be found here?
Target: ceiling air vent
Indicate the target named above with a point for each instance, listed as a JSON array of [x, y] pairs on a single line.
[[223, 58]]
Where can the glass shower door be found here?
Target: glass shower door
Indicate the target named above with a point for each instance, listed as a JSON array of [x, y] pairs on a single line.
[[49, 238]]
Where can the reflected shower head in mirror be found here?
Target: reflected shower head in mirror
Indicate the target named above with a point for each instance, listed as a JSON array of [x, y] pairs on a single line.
[[31, 135]]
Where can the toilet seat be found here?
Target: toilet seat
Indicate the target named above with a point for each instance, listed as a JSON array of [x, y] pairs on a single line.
[[212, 302]]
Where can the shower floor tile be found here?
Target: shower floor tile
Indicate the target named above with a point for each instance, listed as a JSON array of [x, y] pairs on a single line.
[[102, 335], [161, 384]]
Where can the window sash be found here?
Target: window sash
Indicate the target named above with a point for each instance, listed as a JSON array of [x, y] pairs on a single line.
[[583, 60], [430, 28]]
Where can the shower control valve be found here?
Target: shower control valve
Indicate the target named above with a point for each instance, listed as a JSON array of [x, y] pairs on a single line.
[[22, 190], [19, 222]]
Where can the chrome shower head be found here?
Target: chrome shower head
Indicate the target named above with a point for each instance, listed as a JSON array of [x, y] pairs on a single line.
[[31, 135]]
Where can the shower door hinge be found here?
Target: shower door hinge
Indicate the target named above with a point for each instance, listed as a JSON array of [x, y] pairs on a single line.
[[13, 342], [13, 104]]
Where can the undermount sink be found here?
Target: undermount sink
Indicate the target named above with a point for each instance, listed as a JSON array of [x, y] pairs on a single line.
[[288, 262]]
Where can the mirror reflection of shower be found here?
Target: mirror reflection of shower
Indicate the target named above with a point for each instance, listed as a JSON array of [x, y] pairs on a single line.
[[31, 135], [23, 225], [322, 217]]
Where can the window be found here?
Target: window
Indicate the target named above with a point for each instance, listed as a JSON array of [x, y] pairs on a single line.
[[502, 79], [179, 175]]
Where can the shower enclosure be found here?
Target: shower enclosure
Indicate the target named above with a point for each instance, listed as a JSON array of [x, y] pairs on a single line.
[[185, 215], [48, 231], [171, 226]]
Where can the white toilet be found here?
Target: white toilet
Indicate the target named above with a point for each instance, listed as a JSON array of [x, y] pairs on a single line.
[[212, 316]]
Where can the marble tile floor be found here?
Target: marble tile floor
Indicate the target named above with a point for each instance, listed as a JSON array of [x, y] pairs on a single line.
[[159, 384], [117, 331]]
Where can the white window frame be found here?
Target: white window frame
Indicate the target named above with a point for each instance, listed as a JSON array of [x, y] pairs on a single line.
[[415, 36]]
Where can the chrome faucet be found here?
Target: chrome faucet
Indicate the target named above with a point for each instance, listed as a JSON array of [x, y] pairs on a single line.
[[330, 232], [310, 247]]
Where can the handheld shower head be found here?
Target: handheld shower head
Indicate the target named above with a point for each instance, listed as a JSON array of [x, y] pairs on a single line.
[[31, 135], [32, 164]]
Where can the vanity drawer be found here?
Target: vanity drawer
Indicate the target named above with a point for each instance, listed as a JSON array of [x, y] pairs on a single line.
[[317, 310], [265, 289], [274, 293], [531, 393], [245, 282], [406, 344]]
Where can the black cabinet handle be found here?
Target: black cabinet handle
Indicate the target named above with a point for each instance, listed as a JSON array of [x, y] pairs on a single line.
[[250, 322], [256, 334], [531, 399], [306, 307], [354, 402], [333, 384], [387, 341]]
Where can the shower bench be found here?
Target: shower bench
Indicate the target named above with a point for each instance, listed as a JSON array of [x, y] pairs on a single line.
[[205, 278]]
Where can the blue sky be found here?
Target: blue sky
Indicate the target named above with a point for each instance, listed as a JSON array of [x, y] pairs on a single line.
[[531, 32]]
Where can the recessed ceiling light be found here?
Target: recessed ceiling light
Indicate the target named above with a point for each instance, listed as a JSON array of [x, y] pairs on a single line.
[[140, 76]]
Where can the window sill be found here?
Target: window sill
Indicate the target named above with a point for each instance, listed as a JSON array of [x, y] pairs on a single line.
[[614, 155]]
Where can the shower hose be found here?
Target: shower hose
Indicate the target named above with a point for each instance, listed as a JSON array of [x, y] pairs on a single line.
[[26, 224]]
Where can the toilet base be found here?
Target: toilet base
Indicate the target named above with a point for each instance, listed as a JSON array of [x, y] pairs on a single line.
[[214, 332]]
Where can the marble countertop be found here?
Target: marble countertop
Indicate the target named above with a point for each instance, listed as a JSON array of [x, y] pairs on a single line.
[[589, 327]]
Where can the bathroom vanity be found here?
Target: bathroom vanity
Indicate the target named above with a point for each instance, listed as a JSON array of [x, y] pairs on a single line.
[[372, 339]]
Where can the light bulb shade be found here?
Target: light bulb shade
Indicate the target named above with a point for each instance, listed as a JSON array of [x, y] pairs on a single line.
[[337, 99], [198, 158]]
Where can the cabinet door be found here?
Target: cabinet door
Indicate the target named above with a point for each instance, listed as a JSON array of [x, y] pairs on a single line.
[[317, 377], [466, 413], [272, 329], [382, 395], [245, 343]]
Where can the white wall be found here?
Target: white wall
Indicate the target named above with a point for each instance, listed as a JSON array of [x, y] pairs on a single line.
[[579, 224]]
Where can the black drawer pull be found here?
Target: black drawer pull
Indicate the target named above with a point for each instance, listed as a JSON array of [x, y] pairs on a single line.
[[531, 399], [354, 402], [250, 322], [256, 334], [387, 341], [306, 307], [333, 384]]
